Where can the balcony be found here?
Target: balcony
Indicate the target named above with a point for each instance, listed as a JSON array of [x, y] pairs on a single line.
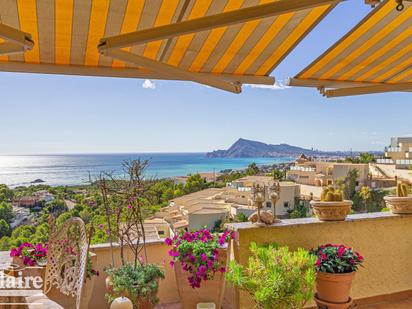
[[302, 168], [384, 239]]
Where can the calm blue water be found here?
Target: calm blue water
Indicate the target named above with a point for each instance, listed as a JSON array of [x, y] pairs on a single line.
[[74, 169]]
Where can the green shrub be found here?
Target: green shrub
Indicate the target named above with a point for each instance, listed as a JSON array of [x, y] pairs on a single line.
[[139, 283], [275, 277]]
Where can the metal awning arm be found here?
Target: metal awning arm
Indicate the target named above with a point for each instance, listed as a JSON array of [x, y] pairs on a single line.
[[208, 22], [16, 41]]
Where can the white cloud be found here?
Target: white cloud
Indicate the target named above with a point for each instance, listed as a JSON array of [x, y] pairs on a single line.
[[148, 84], [278, 85]]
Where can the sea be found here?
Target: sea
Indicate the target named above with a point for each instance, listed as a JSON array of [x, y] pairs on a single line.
[[80, 169]]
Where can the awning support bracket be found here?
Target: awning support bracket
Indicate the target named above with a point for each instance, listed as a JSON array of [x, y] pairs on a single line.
[[16, 41]]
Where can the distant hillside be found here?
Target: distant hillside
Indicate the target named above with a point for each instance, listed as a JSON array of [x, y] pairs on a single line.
[[244, 148]]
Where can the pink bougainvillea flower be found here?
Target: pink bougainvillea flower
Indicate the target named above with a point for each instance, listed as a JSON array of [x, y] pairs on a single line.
[[168, 241]]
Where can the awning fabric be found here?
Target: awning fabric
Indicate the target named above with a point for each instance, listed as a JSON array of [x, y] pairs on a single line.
[[66, 35], [375, 56]]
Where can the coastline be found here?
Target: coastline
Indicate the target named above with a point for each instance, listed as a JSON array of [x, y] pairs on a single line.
[[78, 170]]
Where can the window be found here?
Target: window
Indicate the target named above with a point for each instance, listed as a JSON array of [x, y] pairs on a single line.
[[161, 232], [286, 204], [268, 204]]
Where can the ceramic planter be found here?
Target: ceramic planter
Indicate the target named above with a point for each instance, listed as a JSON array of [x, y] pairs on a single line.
[[331, 211], [211, 291], [399, 205], [334, 288]]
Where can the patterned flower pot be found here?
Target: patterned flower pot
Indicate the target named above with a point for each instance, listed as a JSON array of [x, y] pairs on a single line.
[[211, 291], [334, 288], [27, 271], [399, 205], [331, 211]]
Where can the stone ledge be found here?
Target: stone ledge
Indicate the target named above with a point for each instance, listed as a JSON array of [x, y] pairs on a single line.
[[313, 220]]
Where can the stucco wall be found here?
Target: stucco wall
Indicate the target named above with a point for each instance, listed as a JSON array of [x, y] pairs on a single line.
[[197, 221], [157, 253], [385, 240]]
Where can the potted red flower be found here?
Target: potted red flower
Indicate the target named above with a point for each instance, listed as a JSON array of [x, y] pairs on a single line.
[[200, 258], [336, 266]]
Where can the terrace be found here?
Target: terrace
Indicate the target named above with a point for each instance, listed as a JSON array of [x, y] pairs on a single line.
[[225, 47]]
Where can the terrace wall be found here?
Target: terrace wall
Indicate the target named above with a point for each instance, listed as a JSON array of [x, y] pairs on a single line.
[[385, 240], [157, 252]]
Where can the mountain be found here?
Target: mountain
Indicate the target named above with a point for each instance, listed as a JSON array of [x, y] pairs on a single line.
[[244, 148]]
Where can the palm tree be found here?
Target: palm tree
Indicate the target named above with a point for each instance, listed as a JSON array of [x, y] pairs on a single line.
[[365, 194]]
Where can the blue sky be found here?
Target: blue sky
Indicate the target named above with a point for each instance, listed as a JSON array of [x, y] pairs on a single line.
[[61, 114]]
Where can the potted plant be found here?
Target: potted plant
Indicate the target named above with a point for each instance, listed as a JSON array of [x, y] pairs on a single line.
[[275, 277], [200, 259], [30, 258], [336, 266], [402, 202], [140, 284], [126, 203], [332, 206]]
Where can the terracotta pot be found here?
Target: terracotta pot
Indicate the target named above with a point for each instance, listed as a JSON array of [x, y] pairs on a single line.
[[27, 271], [334, 288], [399, 205], [331, 211], [211, 291]]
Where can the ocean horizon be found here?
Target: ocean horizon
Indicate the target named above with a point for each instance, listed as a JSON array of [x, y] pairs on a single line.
[[79, 169]]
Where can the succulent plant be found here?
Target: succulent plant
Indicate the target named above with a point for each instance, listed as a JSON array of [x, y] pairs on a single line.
[[402, 190], [331, 194]]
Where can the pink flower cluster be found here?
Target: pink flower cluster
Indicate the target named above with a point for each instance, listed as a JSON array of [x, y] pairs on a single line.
[[30, 253], [336, 259], [197, 252]]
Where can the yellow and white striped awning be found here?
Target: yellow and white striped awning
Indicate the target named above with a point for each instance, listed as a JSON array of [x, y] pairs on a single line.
[[375, 56], [220, 43]]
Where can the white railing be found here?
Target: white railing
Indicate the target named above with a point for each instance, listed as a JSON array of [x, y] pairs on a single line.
[[302, 168], [385, 161], [393, 149], [404, 162]]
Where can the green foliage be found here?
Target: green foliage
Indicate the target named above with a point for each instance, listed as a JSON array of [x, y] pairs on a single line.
[[219, 225], [6, 212], [330, 194], [364, 157], [300, 210], [336, 259], [55, 206], [63, 218], [6, 194], [229, 177], [139, 283], [195, 183], [402, 190], [349, 184], [375, 202], [22, 234], [252, 169], [278, 174], [4, 228], [275, 277]]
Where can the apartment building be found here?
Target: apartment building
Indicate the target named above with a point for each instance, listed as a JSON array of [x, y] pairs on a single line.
[[399, 153], [323, 173]]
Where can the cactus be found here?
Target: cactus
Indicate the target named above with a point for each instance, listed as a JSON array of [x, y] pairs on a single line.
[[402, 190], [331, 194]]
